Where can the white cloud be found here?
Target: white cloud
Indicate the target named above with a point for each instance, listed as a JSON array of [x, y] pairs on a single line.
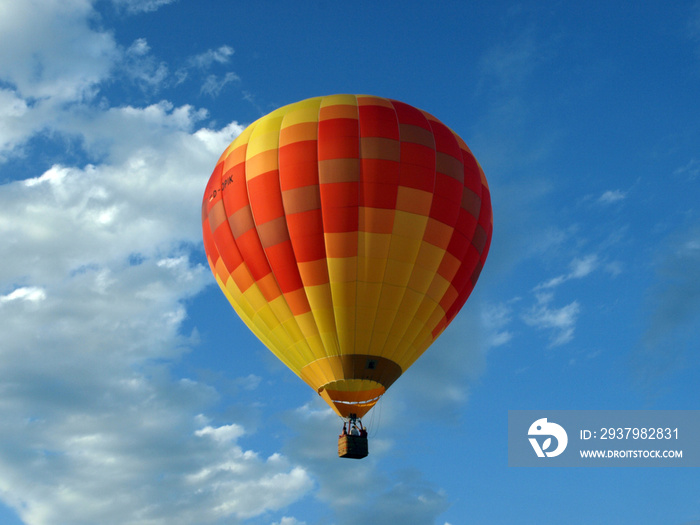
[[289, 521], [48, 50], [249, 382], [142, 67], [583, 267], [612, 196], [13, 127], [84, 406], [614, 268], [95, 272], [204, 60], [94, 431], [495, 319], [692, 169], [578, 268], [223, 433], [214, 83], [141, 6], [145, 201], [29, 293], [560, 321], [52, 53]]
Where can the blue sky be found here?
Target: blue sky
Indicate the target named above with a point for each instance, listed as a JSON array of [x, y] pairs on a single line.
[[131, 394]]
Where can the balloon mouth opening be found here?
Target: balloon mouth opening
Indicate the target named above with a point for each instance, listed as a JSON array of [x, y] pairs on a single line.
[[352, 396], [351, 383]]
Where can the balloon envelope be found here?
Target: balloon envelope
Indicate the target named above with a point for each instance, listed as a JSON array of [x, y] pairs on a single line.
[[347, 232]]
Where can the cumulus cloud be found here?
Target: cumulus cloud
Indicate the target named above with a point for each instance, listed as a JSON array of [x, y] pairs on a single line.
[[29, 293], [48, 50], [99, 214], [55, 61], [97, 267], [90, 320], [87, 407], [223, 433], [86, 404], [13, 128], [50, 55]]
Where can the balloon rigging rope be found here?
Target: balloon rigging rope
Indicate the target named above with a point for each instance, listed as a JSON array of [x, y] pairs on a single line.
[[376, 412]]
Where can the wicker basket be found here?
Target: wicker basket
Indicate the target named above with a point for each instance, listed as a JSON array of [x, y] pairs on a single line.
[[354, 447]]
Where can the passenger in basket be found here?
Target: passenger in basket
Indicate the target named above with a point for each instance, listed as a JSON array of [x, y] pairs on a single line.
[[363, 430]]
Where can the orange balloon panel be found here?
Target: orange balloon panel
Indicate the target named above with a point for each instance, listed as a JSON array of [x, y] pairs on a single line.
[[347, 232]]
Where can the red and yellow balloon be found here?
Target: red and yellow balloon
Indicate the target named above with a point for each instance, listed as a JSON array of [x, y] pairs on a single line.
[[347, 231]]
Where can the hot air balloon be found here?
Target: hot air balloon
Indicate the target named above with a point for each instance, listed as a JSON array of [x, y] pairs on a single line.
[[347, 231]]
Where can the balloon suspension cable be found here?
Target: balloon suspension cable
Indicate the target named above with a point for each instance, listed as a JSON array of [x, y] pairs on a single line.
[[374, 422], [377, 412], [352, 421]]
